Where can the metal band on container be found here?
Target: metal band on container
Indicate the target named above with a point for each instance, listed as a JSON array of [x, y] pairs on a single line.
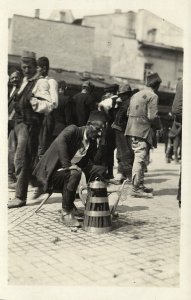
[[97, 229], [97, 213], [98, 200]]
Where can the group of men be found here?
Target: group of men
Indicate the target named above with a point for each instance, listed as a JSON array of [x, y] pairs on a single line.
[[53, 139]]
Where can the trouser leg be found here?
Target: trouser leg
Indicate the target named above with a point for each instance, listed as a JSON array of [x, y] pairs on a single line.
[[140, 149], [67, 183], [176, 145], [27, 143], [93, 171], [11, 154]]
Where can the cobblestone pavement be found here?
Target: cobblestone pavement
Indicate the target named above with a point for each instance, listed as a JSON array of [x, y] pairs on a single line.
[[141, 250]]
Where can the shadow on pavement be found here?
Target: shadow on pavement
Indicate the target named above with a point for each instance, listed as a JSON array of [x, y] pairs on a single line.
[[150, 174], [159, 180], [125, 208], [163, 170], [123, 223], [166, 192]]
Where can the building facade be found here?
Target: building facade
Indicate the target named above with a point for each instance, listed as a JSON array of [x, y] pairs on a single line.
[[124, 46]]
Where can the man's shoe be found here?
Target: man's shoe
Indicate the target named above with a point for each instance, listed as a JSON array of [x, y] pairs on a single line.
[[168, 160], [16, 203], [115, 181], [76, 212], [68, 219], [146, 189], [12, 185], [37, 193], [140, 193]]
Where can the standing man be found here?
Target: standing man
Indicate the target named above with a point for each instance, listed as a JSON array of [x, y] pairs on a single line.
[[177, 113], [15, 81], [63, 113], [143, 118], [83, 103], [72, 152], [125, 154], [46, 88], [107, 105], [26, 130]]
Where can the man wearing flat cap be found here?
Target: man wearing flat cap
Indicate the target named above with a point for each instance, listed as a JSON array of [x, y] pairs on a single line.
[[142, 119], [73, 151], [26, 129], [82, 104]]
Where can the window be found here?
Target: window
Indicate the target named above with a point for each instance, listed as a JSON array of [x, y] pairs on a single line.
[[147, 70], [151, 34]]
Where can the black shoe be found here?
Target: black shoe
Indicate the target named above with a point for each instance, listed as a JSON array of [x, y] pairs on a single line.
[[16, 203], [146, 189], [76, 212]]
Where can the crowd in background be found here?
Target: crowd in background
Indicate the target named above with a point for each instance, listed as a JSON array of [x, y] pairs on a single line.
[[43, 117]]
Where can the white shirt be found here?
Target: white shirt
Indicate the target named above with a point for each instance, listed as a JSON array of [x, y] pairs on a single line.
[[82, 151], [46, 88]]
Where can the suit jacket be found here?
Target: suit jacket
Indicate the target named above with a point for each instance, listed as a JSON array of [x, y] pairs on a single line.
[[143, 110], [61, 152]]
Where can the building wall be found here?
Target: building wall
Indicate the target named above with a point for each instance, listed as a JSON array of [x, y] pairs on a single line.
[[128, 60], [125, 60], [105, 27], [67, 46], [166, 33], [166, 63]]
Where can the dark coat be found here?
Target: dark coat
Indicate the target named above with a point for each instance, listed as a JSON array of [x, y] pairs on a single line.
[[61, 152], [177, 103], [82, 105]]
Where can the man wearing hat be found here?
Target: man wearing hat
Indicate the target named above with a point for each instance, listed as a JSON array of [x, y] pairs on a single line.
[[73, 151], [107, 105], [26, 130], [82, 104], [142, 119], [125, 154]]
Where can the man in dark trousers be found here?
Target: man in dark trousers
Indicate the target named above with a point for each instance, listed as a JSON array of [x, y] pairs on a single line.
[[142, 119], [15, 81], [107, 106], [73, 151], [125, 154], [26, 129], [177, 113], [83, 103]]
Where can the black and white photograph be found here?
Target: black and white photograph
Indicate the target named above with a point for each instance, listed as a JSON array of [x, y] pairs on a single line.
[[95, 141]]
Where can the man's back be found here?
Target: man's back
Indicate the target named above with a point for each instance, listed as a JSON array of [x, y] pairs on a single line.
[[83, 104], [142, 110]]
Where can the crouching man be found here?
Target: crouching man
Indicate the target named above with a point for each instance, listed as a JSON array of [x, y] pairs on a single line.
[[76, 149]]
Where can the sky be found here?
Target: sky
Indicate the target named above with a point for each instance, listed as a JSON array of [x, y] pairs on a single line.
[[174, 11]]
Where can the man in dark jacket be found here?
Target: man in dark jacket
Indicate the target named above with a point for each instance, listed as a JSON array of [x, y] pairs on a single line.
[[125, 154], [82, 104], [63, 113], [73, 151], [177, 113]]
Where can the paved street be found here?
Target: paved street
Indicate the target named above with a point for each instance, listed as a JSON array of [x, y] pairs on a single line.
[[141, 250]]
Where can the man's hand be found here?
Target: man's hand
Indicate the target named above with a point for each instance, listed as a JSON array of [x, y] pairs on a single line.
[[34, 103]]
